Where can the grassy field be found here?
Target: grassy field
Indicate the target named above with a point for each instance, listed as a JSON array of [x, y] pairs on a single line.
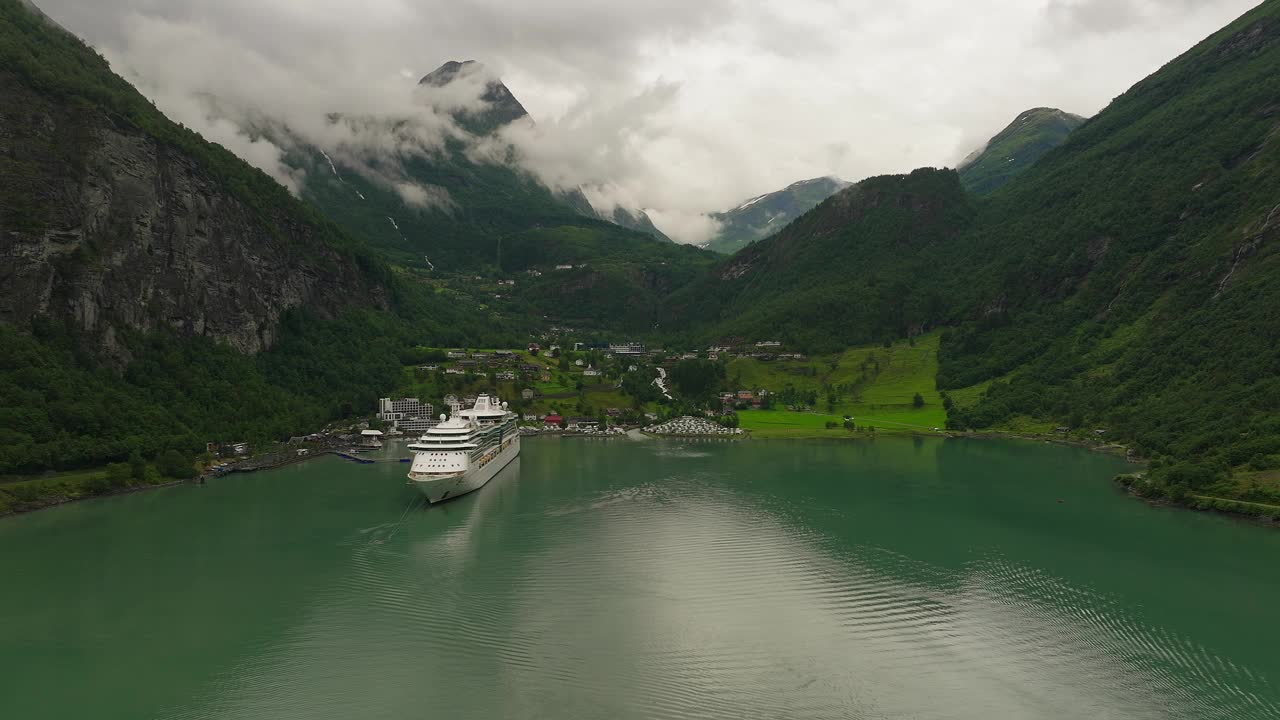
[[885, 382]]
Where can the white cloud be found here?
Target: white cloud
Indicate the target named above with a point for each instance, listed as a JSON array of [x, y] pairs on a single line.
[[684, 108]]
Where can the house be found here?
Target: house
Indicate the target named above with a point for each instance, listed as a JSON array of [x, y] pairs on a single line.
[[564, 267], [455, 371], [579, 362], [534, 349], [545, 376], [508, 283], [591, 372], [428, 367], [584, 424], [769, 344], [613, 412], [689, 356], [631, 348], [505, 375], [450, 399], [504, 353], [746, 395], [552, 420], [240, 448], [527, 394], [456, 354]]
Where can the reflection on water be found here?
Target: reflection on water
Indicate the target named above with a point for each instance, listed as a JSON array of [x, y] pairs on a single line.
[[877, 580]]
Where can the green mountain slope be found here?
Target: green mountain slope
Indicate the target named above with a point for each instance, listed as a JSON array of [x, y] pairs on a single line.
[[158, 293], [845, 273], [764, 215], [1016, 148], [1126, 282]]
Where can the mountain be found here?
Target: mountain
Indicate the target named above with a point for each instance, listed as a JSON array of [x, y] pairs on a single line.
[[844, 273], [637, 220], [1016, 148], [120, 220], [446, 209], [499, 106], [159, 293], [764, 215], [1127, 282]]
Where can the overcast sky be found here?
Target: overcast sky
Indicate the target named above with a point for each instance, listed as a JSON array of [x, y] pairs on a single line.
[[679, 106]]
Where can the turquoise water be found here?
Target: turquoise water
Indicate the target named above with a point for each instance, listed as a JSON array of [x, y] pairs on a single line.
[[637, 579]]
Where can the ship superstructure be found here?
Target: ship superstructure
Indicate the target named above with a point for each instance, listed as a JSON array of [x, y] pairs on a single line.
[[465, 450]]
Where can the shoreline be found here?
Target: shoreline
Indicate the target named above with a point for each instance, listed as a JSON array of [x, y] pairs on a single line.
[[52, 501], [1124, 481]]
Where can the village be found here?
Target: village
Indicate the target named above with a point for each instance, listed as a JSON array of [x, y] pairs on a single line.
[[570, 388], [594, 389]]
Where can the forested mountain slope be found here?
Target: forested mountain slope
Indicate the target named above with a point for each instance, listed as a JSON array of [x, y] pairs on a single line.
[[1016, 148], [1128, 281], [1131, 278], [158, 293], [861, 267]]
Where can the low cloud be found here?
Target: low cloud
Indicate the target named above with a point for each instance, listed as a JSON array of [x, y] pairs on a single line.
[[685, 227], [682, 108]]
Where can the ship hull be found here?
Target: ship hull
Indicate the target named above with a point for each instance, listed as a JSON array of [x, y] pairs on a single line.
[[452, 486]]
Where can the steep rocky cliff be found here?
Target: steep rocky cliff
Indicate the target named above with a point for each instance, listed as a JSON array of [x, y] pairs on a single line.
[[110, 227]]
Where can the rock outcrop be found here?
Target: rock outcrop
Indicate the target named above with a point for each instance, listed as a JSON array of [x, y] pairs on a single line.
[[104, 224]]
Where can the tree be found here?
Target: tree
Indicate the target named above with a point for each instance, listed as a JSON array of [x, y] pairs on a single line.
[[118, 474], [137, 465], [917, 401], [172, 464]]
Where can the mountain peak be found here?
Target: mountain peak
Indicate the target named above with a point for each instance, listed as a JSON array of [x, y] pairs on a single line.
[[449, 71], [764, 215], [1018, 146], [502, 106]]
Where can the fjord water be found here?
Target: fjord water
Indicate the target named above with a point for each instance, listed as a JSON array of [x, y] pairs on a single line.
[[636, 579]]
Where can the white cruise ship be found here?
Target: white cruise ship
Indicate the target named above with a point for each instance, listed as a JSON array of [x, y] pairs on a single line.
[[465, 451]]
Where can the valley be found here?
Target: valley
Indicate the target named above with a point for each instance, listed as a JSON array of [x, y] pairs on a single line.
[[1107, 279]]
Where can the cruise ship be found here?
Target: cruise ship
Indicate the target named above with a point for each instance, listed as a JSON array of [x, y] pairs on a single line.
[[465, 450]]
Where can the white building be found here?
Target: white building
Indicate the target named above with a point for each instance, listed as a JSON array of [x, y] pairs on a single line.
[[626, 348], [392, 410]]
